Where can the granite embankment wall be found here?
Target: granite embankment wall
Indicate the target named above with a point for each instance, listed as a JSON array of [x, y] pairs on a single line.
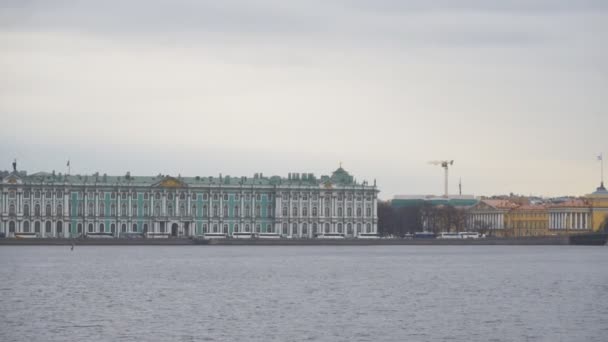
[[552, 240]]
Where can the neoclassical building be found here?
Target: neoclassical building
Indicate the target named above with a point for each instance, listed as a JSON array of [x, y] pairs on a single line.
[[301, 205]]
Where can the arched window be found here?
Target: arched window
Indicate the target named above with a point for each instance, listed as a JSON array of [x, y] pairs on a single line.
[[193, 212], [294, 229], [327, 228], [113, 228], [215, 197], [37, 227], [182, 209], [157, 196], [314, 229], [11, 210], [123, 228], [170, 209], [270, 228], [339, 211], [247, 228], [225, 210], [258, 211], [215, 210], [102, 209], [340, 228], [368, 212], [102, 228], [37, 209], [205, 213], [91, 208], [349, 212], [236, 228], [284, 211], [59, 227], [11, 227], [225, 197], [294, 211], [304, 229], [182, 196], [305, 211], [48, 210], [47, 227], [369, 227], [79, 227], [205, 228], [123, 209], [225, 231], [26, 210], [26, 226], [349, 228], [236, 210], [247, 210], [113, 209], [284, 228], [134, 210], [170, 197], [145, 228], [146, 210], [358, 211], [326, 211], [157, 210], [215, 228], [37, 194], [358, 228]]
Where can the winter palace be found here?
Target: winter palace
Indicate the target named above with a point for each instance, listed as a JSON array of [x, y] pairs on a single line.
[[299, 206]]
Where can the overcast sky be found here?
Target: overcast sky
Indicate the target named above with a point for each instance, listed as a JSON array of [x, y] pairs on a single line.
[[516, 92]]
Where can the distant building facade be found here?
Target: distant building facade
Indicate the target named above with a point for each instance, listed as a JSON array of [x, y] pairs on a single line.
[[299, 206]]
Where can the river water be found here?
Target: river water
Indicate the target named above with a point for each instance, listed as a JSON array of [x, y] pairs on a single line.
[[304, 293]]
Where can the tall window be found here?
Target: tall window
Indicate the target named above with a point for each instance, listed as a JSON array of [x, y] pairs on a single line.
[[349, 212], [369, 228], [102, 209], [247, 210], [123, 228], [358, 228], [304, 229], [258, 211], [368, 212], [26, 227], [314, 211], [37, 209], [327, 228], [358, 211], [47, 227], [326, 211], [349, 228], [193, 212], [146, 210], [48, 210], [60, 210], [90, 227], [123, 209], [294, 211], [225, 210], [113, 209], [170, 209], [284, 228], [205, 213], [11, 209], [247, 228], [236, 210], [236, 228], [269, 211], [258, 228], [215, 211], [91, 208], [225, 231], [26, 210], [305, 211], [284, 211], [182, 209], [339, 211], [37, 227], [157, 210], [294, 229], [134, 210], [314, 229]]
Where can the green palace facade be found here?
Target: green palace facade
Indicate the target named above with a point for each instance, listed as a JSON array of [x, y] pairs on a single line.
[[299, 206]]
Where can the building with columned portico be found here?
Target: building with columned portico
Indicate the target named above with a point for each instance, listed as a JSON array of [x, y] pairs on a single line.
[[298, 206]]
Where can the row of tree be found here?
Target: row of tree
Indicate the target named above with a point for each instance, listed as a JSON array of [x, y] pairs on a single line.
[[399, 221]]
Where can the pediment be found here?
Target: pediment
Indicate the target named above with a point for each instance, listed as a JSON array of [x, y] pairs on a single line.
[[13, 178], [170, 182]]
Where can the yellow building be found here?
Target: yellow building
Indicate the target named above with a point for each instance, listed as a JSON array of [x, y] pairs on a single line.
[[570, 217], [598, 201], [527, 220]]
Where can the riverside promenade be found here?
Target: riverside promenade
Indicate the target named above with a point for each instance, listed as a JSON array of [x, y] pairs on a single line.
[[549, 240]]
